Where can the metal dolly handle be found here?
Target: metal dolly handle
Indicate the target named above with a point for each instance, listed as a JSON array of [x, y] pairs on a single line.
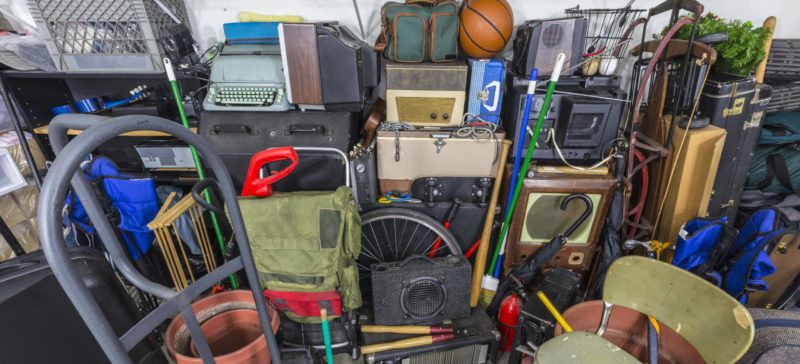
[[66, 170]]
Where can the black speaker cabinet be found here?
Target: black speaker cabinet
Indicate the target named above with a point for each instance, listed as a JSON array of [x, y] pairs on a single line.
[[421, 290]]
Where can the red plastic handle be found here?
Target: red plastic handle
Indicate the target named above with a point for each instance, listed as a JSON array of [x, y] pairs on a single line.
[[254, 185]]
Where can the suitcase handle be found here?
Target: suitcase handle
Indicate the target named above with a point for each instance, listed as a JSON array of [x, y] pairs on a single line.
[[232, 128], [306, 128], [254, 185], [494, 85]]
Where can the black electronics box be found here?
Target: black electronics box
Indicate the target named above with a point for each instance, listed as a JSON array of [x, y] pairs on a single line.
[[538, 43], [584, 118], [177, 43], [737, 105], [40, 324], [236, 136], [477, 349], [364, 172], [536, 324], [421, 290]]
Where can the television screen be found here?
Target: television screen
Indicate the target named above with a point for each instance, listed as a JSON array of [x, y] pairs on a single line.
[[544, 218]]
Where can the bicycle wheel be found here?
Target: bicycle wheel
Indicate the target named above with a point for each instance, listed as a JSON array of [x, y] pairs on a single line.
[[393, 234]]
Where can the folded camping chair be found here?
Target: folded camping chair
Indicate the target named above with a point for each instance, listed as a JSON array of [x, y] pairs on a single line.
[[66, 170], [716, 324]]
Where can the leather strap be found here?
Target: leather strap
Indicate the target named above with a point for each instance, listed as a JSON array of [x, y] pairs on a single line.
[[776, 167]]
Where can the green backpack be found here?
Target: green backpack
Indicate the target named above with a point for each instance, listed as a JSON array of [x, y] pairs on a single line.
[[419, 31], [305, 245], [775, 168]]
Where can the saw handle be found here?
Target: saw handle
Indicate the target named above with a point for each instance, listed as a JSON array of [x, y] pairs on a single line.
[[254, 185]]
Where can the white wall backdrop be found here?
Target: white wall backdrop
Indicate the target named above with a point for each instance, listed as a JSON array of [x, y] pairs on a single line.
[[207, 16]]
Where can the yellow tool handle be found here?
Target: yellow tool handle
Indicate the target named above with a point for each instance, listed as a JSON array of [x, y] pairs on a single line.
[[761, 70], [408, 329], [400, 344], [246, 16], [554, 312], [483, 248]]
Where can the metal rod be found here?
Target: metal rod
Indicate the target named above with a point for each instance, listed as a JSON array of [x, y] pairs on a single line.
[[23, 142], [11, 240], [176, 93]]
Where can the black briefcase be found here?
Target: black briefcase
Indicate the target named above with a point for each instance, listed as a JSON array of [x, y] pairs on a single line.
[[236, 136], [40, 324]]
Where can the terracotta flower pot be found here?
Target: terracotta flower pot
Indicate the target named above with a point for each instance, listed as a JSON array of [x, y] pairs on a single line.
[[230, 324], [627, 329]]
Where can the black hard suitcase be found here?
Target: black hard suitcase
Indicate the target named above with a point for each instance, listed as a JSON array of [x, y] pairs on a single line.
[[40, 324], [728, 102], [466, 226], [477, 349], [236, 136]]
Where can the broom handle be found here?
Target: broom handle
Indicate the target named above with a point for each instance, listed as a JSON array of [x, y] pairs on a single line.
[[551, 87], [201, 173]]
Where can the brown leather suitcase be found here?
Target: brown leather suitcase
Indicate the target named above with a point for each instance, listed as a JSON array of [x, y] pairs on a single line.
[[786, 257]]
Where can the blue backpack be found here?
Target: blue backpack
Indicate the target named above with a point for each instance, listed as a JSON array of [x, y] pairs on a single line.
[[132, 198], [736, 261]]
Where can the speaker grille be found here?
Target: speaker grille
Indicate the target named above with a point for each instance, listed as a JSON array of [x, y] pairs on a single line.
[[553, 35], [423, 297]]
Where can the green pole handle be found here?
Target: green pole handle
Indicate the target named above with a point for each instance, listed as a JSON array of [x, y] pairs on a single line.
[[551, 87], [201, 173]]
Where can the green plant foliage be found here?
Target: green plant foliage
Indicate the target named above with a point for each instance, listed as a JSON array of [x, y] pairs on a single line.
[[744, 49]]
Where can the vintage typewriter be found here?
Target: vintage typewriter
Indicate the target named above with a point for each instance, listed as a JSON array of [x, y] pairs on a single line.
[[247, 78]]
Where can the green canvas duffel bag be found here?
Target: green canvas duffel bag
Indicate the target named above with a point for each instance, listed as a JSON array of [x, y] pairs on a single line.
[[419, 31], [305, 246]]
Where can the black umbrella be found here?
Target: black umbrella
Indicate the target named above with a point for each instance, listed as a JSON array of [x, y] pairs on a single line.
[[522, 275]]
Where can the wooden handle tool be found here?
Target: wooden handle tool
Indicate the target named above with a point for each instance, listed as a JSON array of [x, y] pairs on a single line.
[[410, 330], [406, 343], [483, 248]]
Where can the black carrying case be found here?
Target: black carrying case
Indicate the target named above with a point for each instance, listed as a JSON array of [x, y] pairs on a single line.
[[236, 136], [728, 101], [40, 324]]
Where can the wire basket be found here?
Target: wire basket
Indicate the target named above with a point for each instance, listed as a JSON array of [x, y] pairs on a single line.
[[608, 30], [101, 35]]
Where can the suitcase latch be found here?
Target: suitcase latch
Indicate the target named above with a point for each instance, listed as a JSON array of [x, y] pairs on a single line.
[[439, 141]]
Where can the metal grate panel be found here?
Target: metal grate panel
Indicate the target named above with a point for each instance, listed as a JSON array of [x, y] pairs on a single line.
[[75, 28]]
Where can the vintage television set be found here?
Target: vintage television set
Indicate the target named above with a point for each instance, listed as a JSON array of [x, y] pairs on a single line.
[[538, 218], [585, 120], [327, 67]]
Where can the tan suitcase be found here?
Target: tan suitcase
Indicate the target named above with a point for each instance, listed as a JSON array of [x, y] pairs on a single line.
[[407, 155], [786, 257]]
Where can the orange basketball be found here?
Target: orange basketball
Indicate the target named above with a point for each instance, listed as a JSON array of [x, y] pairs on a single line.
[[486, 27]]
